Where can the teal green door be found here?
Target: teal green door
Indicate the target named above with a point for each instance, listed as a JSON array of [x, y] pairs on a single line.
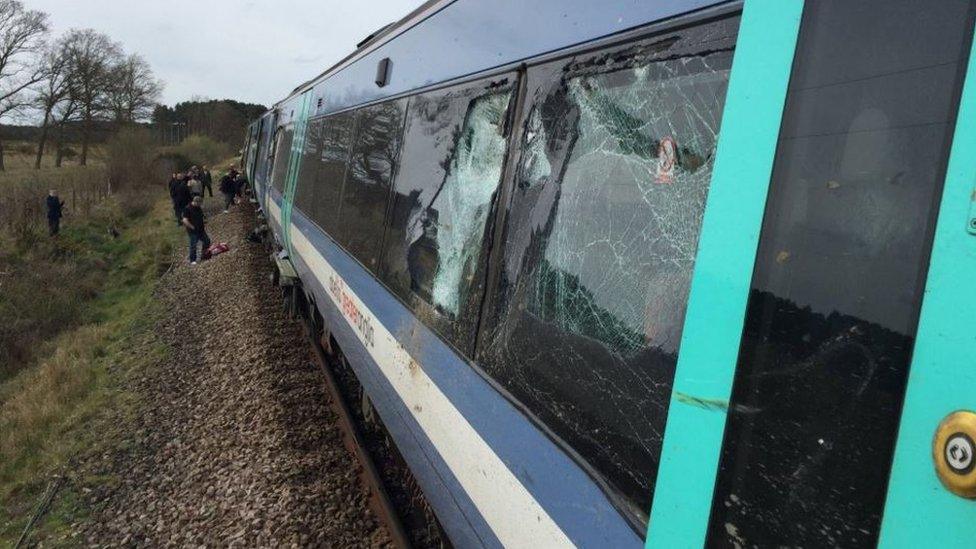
[[294, 166], [920, 511], [826, 333]]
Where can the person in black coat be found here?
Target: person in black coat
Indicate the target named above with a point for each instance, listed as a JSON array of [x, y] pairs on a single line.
[[181, 198], [195, 223], [207, 181], [228, 187], [55, 210]]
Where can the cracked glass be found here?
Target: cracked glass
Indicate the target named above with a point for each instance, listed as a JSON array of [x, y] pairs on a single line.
[[616, 157], [282, 157], [450, 167]]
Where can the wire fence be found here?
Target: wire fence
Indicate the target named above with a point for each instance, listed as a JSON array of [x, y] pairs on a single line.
[[22, 196]]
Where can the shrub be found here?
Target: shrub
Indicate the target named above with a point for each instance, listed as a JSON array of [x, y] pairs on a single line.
[[25, 148], [202, 150], [130, 158], [68, 153], [169, 162]]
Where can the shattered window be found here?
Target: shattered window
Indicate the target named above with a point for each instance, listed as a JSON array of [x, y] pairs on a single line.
[[450, 168], [282, 157], [616, 158], [367, 187]]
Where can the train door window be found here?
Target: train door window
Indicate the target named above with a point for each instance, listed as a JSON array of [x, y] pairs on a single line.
[[305, 189], [282, 156], [337, 134], [840, 270], [368, 179], [617, 153], [451, 164]]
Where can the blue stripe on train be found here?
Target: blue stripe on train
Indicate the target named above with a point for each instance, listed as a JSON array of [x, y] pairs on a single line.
[[456, 511], [561, 487]]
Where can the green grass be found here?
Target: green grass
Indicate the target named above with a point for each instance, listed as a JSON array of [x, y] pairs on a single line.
[[56, 407]]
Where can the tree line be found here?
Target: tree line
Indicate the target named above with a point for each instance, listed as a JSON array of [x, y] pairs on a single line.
[[223, 120], [82, 77]]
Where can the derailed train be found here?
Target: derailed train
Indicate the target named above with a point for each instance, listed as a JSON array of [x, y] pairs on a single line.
[[589, 317]]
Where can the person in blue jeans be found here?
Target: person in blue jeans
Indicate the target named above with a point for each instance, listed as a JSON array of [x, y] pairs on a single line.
[[195, 225]]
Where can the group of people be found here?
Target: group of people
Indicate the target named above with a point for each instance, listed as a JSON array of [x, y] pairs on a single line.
[[187, 191]]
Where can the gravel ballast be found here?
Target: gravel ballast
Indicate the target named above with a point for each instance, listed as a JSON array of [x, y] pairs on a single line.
[[232, 441]]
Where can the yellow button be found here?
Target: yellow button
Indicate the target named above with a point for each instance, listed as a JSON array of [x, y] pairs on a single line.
[[953, 450]]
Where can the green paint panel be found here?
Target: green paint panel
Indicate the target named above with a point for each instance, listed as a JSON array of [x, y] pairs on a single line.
[[294, 168], [919, 512], [723, 272]]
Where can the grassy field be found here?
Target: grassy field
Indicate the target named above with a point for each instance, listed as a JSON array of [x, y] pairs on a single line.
[[47, 409], [19, 156], [76, 319], [22, 188]]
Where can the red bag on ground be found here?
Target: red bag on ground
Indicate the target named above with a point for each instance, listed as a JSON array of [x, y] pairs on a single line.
[[216, 249]]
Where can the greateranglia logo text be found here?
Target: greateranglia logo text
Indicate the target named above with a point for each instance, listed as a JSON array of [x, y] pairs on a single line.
[[362, 323]]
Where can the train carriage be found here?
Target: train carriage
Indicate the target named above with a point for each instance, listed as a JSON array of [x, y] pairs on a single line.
[[673, 272]]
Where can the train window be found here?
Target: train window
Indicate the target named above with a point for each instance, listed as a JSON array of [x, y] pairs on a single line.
[[282, 155], [337, 133], [840, 270], [305, 188], [616, 159], [450, 168], [368, 180]]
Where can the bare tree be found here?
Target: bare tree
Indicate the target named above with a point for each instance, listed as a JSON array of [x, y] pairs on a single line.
[[22, 34], [65, 112], [92, 56], [133, 91], [55, 89]]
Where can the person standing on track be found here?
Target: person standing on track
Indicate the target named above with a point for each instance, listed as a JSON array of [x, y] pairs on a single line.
[[180, 194], [207, 180], [196, 230], [55, 210], [195, 185], [228, 187]]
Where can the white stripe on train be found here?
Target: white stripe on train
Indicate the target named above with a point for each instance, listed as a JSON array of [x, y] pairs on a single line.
[[506, 505]]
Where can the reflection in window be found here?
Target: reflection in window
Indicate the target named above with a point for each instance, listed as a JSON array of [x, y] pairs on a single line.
[[367, 186], [617, 156], [309, 165], [337, 134], [835, 296], [449, 172]]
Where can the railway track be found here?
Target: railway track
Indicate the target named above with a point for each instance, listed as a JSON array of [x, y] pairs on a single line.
[[379, 501], [405, 513]]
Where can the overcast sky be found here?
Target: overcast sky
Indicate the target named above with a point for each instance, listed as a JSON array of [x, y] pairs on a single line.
[[250, 50]]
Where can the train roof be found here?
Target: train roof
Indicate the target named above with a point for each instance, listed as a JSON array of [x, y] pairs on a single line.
[[443, 40]]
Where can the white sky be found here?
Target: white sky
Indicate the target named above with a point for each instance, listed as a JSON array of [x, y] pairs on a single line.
[[250, 50]]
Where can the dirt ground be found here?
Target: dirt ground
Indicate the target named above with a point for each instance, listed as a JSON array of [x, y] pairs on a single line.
[[232, 441]]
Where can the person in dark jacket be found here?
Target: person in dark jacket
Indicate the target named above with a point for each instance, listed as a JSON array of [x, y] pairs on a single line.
[[55, 210], [228, 187], [181, 198], [207, 180], [239, 184], [196, 229]]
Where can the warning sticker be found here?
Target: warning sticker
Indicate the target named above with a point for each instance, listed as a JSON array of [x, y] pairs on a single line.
[[667, 157]]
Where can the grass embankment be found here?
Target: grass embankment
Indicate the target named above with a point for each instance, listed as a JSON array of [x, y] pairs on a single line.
[[82, 303]]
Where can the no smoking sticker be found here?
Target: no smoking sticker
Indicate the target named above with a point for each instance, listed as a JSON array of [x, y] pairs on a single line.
[[667, 157]]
